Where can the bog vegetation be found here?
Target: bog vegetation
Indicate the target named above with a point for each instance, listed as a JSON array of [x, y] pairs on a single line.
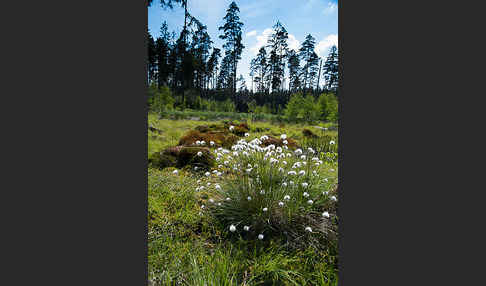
[[242, 179], [242, 203]]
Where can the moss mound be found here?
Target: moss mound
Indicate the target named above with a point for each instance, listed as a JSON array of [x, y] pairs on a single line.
[[239, 129], [212, 127], [220, 139], [309, 134], [292, 144], [181, 156], [162, 160], [188, 156], [191, 137], [202, 128]]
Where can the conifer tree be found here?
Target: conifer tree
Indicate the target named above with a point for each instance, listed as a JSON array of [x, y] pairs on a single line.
[[162, 46], [306, 52], [242, 82], [278, 51], [313, 69], [294, 69], [261, 68], [200, 45], [151, 58], [253, 71], [213, 65], [233, 45], [165, 3], [331, 71], [225, 80]]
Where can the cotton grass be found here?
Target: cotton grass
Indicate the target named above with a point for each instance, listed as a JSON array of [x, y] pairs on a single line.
[[265, 194]]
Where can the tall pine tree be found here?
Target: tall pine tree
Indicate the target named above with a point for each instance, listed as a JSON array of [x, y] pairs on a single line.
[[261, 68], [331, 71], [225, 79], [306, 54], [253, 71], [278, 51], [165, 3], [162, 46], [151, 58], [313, 70], [233, 45], [200, 45], [294, 70], [243, 87], [212, 66]]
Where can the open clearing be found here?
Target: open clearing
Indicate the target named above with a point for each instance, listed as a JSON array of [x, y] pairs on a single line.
[[188, 246]]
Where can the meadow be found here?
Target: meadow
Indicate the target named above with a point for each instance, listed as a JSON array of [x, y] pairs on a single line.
[[227, 222]]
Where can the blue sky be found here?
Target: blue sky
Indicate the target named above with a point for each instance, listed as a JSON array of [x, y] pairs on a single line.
[[300, 17]]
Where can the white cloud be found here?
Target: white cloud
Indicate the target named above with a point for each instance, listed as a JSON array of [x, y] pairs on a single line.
[[262, 40], [251, 33], [294, 44], [331, 8], [322, 48]]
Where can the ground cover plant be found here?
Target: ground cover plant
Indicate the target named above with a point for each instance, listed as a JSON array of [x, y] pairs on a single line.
[[204, 230]]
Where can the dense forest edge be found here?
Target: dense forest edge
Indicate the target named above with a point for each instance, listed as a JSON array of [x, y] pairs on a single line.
[[186, 71]]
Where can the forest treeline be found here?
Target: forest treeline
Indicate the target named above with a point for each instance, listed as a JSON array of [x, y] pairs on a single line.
[[186, 71]]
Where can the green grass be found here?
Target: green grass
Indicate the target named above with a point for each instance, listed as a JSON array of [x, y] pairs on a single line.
[[218, 115], [188, 247], [172, 130]]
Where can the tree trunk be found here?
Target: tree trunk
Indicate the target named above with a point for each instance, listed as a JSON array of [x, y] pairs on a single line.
[[184, 51], [319, 76]]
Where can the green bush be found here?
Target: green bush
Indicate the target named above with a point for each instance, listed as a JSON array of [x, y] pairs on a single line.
[[252, 105], [302, 109], [160, 99], [191, 99], [328, 105], [226, 106], [292, 110], [309, 110]]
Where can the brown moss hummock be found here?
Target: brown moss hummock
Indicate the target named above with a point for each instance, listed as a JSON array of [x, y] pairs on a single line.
[[181, 156], [292, 144], [239, 129], [220, 139], [309, 134]]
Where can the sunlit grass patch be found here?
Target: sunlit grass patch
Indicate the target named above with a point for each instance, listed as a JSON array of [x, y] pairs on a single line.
[[189, 237]]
